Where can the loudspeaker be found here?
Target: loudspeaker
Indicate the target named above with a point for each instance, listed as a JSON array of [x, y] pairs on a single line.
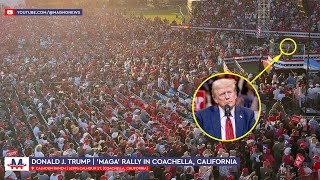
[[304, 7]]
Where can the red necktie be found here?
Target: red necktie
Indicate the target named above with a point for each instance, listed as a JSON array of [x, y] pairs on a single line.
[[229, 129]]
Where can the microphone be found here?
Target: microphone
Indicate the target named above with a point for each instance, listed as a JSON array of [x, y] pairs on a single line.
[[227, 110]]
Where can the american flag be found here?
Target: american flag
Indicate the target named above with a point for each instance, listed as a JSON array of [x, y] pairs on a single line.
[[225, 67], [266, 63], [258, 33]]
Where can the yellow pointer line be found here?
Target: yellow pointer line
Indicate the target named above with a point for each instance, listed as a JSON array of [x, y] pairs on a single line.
[[275, 59]]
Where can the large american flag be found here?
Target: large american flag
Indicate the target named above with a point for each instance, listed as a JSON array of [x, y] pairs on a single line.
[[258, 32]]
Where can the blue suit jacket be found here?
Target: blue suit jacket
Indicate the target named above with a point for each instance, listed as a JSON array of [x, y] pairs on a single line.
[[209, 120]]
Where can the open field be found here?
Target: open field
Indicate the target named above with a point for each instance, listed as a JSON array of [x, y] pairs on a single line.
[[171, 13], [251, 67]]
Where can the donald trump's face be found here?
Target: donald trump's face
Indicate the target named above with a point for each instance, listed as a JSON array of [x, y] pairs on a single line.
[[224, 92]]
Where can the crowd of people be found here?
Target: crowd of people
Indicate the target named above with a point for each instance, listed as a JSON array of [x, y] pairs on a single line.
[[111, 85], [285, 15]]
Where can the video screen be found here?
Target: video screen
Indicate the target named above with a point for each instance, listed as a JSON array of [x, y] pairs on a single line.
[[160, 90]]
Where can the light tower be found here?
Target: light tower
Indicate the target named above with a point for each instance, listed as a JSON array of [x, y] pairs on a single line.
[[263, 23]]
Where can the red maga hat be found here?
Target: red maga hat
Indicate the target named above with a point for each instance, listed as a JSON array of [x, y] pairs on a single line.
[[86, 140], [316, 157], [60, 177], [245, 170], [268, 151], [104, 177], [197, 175]]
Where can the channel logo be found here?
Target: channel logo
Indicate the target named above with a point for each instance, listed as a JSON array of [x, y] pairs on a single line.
[[9, 12], [16, 163]]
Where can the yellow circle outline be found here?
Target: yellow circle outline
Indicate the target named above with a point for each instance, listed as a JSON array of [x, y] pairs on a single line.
[[195, 119], [295, 46]]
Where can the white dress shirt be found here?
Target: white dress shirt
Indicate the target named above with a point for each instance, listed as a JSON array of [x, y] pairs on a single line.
[[276, 93], [38, 154], [223, 120]]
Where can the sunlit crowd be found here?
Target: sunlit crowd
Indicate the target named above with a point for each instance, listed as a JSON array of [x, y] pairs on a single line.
[[110, 85]]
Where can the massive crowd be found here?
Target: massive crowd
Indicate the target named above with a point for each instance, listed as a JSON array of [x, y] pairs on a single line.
[[110, 85], [285, 15]]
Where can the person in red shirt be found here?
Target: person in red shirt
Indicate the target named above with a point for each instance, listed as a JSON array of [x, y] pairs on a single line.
[[316, 166], [302, 140], [287, 158], [280, 130], [268, 157]]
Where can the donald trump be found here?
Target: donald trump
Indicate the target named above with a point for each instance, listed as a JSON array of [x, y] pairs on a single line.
[[225, 121]]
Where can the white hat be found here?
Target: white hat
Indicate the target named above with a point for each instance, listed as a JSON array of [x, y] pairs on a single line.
[[114, 118], [184, 123], [206, 155], [40, 105], [101, 141], [114, 135], [317, 85], [189, 101], [8, 173], [51, 121], [250, 141], [186, 154], [62, 132], [135, 117], [85, 134], [287, 151]]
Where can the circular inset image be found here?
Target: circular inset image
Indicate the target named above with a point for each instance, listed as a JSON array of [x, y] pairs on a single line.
[[226, 107], [288, 47]]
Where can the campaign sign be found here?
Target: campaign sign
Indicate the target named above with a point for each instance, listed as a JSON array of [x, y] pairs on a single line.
[[299, 160], [12, 153], [200, 100]]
